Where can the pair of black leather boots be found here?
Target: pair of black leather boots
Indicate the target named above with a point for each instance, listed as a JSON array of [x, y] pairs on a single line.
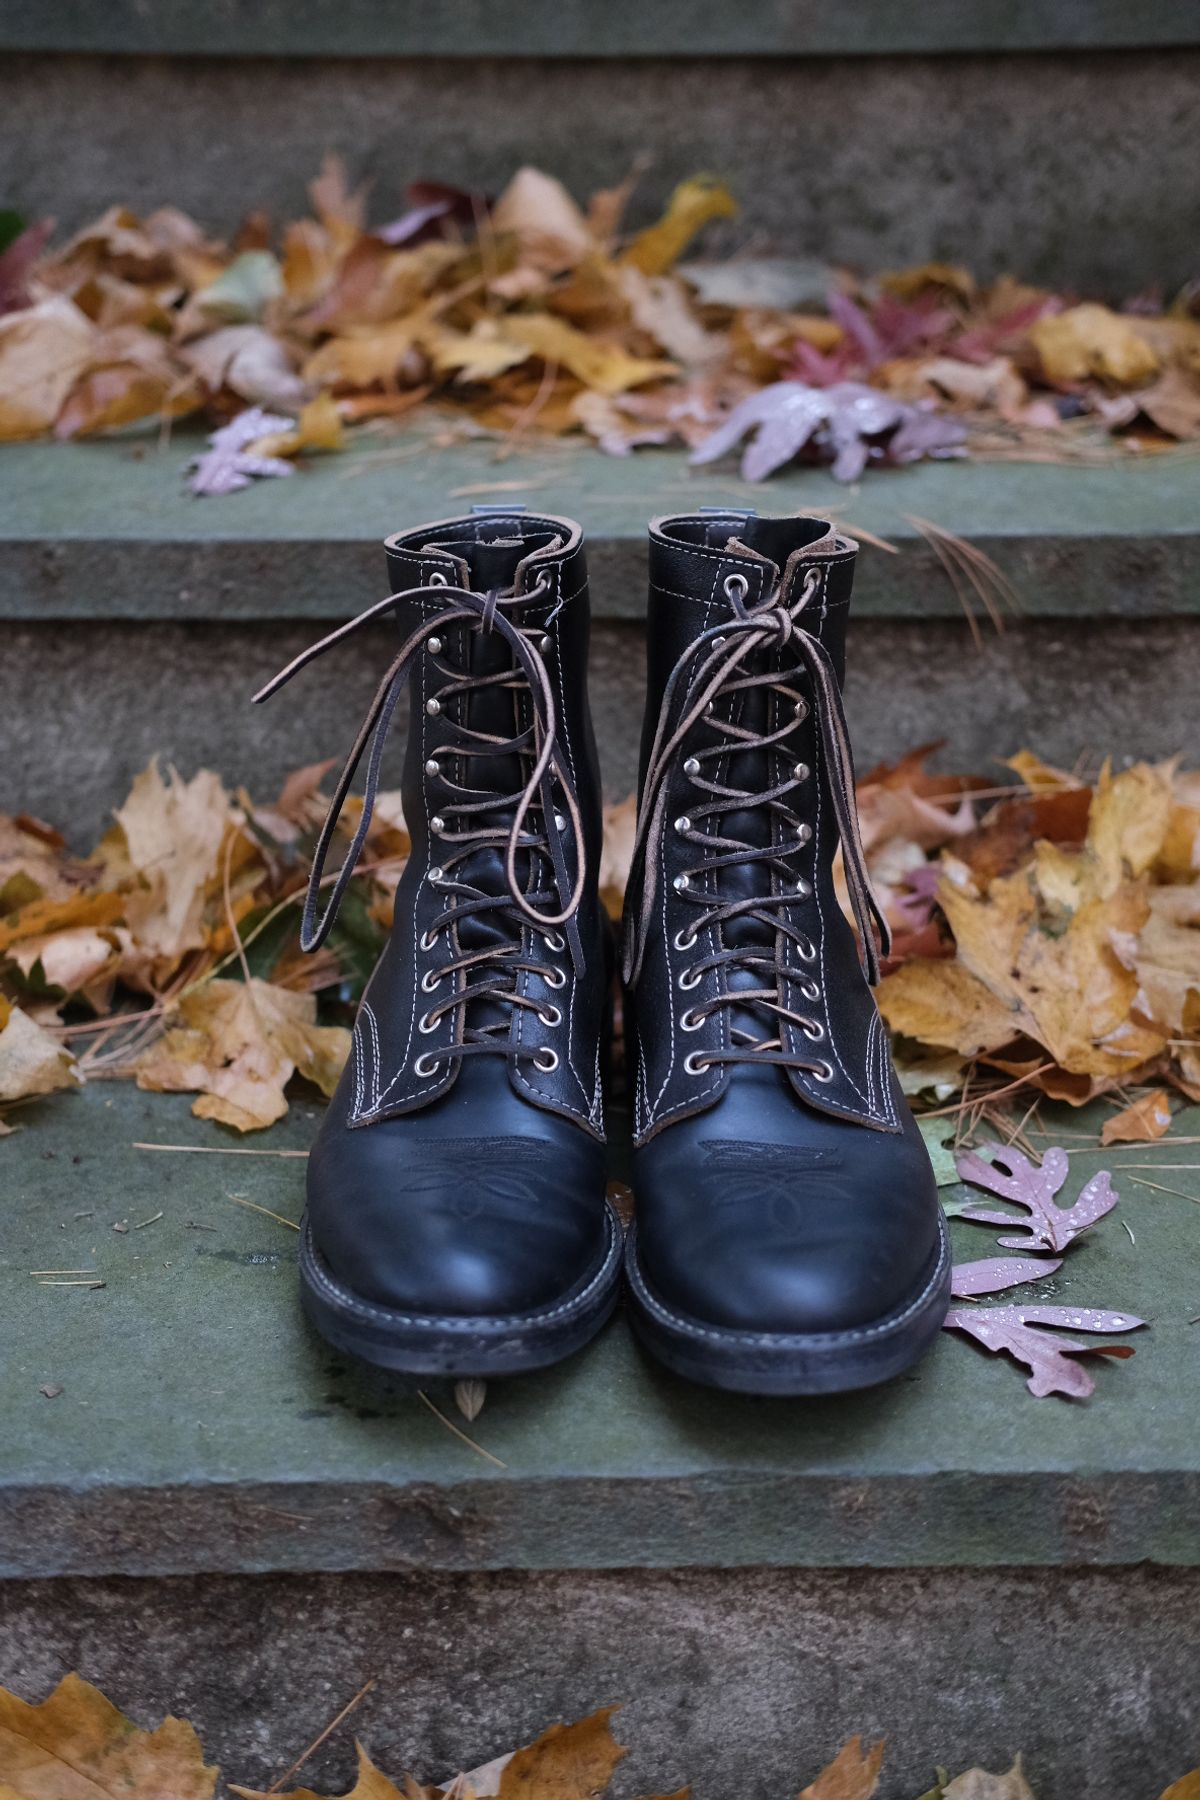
[[788, 1237]]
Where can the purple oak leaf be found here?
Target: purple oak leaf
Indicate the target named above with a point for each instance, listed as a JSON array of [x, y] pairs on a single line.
[[997, 1272], [1033, 1187], [1013, 1329], [844, 424], [227, 465]]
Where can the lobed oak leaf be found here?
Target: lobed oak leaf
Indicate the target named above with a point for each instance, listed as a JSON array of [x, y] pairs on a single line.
[[844, 423], [1051, 1359], [995, 1273], [76, 1745], [1033, 1187], [852, 1775]]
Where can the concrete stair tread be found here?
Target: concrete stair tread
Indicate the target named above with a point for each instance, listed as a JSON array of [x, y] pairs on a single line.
[[548, 28], [106, 530], [202, 1427]]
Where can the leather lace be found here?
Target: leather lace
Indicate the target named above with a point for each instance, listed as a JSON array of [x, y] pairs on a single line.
[[721, 663], [537, 828]]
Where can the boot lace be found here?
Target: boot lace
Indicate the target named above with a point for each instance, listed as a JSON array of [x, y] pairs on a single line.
[[465, 820], [733, 658]]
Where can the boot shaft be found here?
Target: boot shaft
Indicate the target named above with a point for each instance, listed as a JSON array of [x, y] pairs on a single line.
[[746, 795]]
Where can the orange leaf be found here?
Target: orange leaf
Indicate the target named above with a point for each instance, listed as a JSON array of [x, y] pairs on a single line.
[[1148, 1118], [852, 1775]]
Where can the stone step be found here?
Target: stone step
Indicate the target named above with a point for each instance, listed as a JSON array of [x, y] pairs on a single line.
[[201, 1427], [138, 621], [548, 28], [106, 530], [220, 1517]]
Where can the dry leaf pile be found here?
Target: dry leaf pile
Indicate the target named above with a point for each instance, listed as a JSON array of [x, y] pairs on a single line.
[[1046, 940], [1047, 933], [76, 1741], [526, 311]]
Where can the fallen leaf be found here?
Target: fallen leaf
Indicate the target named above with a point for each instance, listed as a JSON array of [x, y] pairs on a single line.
[[539, 212], [172, 831], [620, 829], [995, 1273], [1148, 1118], [1033, 1187], [568, 1762], [230, 464], [44, 351], [319, 427], [1016, 1329], [843, 423], [76, 1744], [1187, 1788], [251, 362], [693, 204], [1091, 340], [371, 1784], [977, 1784], [31, 1061], [943, 1004], [238, 1044], [852, 1775], [600, 365], [469, 1397]]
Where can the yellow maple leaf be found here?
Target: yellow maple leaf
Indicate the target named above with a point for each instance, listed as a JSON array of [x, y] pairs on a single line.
[[1092, 340], [852, 1775], [238, 1044], [693, 204], [600, 365], [77, 1746], [319, 427], [941, 1003]]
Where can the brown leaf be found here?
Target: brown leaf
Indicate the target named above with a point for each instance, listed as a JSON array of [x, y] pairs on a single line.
[[852, 1775], [370, 1785], [549, 227], [1187, 1788], [76, 1745], [31, 1061], [173, 831], [238, 1044], [568, 1762], [1148, 1118], [44, 351]]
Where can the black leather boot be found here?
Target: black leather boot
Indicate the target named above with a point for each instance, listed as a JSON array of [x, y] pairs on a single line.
[[788, 1237], [457, 1221]]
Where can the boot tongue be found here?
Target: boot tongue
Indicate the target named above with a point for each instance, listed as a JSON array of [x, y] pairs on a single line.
[[494, 565], [753, 710]]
